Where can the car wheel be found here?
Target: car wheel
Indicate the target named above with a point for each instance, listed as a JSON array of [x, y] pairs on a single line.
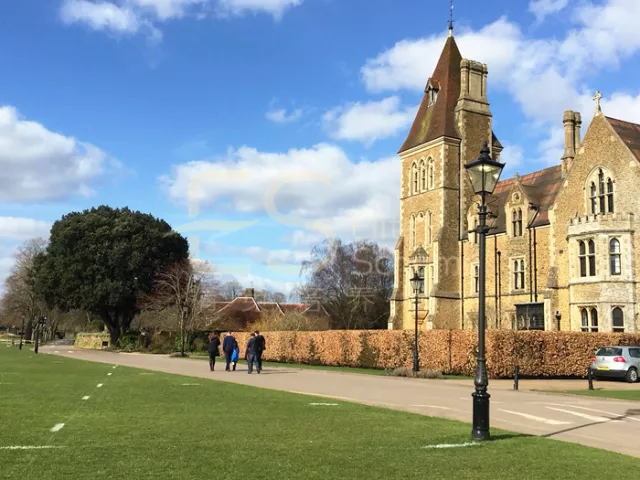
[[632, 375]]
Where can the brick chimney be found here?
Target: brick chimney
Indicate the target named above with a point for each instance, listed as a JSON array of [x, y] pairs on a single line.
[[569, 120]]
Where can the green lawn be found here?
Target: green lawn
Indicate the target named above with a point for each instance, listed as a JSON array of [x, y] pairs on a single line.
[[141, 426], [366, 371], [620, 394]]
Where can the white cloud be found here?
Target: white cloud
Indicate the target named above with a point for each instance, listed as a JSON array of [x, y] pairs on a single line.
[[544, 76], [21, 229], [512, 156], [543, 8], [368, 122], [281, 116], [261, 283], [38, 164], [127, 17], [276, 8], [317, 190]]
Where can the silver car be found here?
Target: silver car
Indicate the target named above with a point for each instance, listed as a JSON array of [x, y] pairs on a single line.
[[616, 362]]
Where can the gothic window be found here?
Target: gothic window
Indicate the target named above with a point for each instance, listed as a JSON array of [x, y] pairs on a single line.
[[583, 259], [421, 275], [610, 195], [476, 278], [516, 222], [589, 320], [592, 258], [431, 174], [615, 257], [594, 200], [423, 175], [414, 176], [601, 191], [519, 222], [518, 274], [617, 320]]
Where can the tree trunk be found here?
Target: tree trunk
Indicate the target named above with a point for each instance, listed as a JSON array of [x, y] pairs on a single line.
[[112, 325], [28, 331]]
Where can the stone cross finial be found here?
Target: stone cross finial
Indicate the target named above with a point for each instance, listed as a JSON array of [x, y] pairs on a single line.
[[597, 97]]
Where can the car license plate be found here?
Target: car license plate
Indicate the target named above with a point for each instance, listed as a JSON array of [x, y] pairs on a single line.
[[603, 368]]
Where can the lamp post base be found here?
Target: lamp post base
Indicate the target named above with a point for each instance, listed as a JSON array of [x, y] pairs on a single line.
[[480, 429]]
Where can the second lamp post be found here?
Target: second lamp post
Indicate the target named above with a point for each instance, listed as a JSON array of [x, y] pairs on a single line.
[[416, 284], [484, 173]]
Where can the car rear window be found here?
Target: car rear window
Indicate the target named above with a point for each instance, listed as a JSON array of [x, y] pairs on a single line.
[[609, 352]]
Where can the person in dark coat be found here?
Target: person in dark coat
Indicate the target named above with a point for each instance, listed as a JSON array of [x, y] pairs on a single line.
[[214, 349], [228, 345], [260, 346], [251, 352]]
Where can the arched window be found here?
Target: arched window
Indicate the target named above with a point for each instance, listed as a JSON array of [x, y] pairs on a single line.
[[594, 199], [583, 259], [413, 231], [518, 274], [594, 320], [431, 174], [584, 318], [421, 274], [476, 278], [423, 175], [601, 191], [592, 258], [414, 176], [617, 320], [514, 223], [519, 222], [610, 195], [615, 257]]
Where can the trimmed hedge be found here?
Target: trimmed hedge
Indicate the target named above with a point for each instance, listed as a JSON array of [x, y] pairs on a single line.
[[453, 352]]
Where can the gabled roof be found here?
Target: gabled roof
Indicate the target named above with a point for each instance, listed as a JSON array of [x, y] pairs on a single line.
[[629, 133], [437, 120], [240, 304], [541, 188]]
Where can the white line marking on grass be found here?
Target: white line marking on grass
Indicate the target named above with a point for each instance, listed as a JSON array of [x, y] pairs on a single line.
[[109, 374], [86, 397], [28, 447], [324, 404], [431, 406], [190, 384], [453, 445], [114, 367], [57, 427], [56, 351], [69, 351], [146, 374], [99, 385], [537, 419], [584, 415]]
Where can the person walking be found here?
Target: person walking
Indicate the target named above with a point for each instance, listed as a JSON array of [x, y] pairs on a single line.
[[214, 349], [229, 344], [251, 352], [260, 347]]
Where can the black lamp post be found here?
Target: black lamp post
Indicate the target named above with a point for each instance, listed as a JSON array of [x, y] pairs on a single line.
[[21, 334], [484, 173], [40, 325], [558, 318], [416, 284]]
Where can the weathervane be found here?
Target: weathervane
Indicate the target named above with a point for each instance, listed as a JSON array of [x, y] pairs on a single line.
[[451, 18]]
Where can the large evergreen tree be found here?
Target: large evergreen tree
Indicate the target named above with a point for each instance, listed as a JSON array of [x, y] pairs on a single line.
[[101, 260]]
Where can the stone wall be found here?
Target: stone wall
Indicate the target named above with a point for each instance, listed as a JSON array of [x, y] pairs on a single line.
[[93, 341]]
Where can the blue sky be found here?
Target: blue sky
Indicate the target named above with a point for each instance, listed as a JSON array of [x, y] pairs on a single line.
[[260, 127]]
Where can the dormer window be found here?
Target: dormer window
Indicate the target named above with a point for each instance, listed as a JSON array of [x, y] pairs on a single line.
[[432, 93]]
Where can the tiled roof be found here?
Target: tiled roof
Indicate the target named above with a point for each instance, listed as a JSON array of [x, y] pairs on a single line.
[[541, 188], [437, 120], [629, 133], [240, 304]]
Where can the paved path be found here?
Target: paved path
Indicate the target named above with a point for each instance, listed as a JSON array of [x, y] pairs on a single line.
[[603, 423]]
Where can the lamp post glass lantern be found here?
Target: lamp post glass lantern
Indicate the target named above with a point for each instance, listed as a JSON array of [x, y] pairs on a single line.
[[484, 173], [416, 284]]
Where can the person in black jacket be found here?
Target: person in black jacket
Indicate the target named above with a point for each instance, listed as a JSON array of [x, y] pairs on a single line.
[[260, 346], [251, 352], [214, 349], [228, 345]]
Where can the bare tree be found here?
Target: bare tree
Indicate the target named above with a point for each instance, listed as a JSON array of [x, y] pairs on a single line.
[[19, 300], [353, 282], [183, 292], [230, 290]]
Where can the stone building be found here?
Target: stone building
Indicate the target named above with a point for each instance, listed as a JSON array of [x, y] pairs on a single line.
[[561, 252]]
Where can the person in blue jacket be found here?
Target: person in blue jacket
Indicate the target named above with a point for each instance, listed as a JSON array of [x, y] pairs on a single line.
[[228, 346]]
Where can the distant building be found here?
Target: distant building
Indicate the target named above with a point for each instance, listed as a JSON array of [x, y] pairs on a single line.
[[246, 309], [563, 251]]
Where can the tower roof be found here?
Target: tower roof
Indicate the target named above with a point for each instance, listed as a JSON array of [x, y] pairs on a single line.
[[438, 119]]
